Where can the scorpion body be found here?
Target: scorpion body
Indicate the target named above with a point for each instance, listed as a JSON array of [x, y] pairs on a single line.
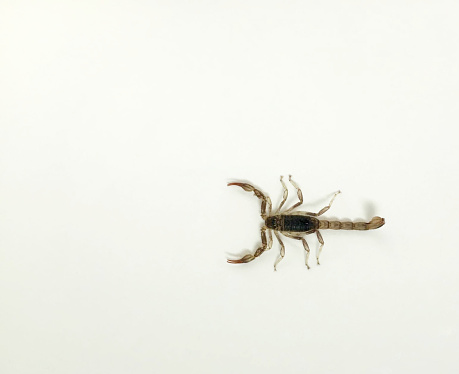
[[292, 223], [296, 224]]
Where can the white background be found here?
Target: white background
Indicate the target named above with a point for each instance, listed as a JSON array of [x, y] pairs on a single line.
[[122, 122]]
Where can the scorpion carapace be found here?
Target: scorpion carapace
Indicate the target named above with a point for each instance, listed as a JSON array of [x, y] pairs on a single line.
[[295, 224]]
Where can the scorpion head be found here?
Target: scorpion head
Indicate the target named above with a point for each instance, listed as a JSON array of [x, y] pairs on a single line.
[[273, 222]]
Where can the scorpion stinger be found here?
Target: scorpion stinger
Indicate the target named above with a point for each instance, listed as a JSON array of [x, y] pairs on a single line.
[[296, 224]]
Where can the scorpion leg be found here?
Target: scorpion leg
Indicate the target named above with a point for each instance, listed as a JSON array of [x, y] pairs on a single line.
[[265, 200], [282, 250], [324, 209], [321, 241], [265, 245], [305, 245], [284, 198], [270, 241], [300, 194]]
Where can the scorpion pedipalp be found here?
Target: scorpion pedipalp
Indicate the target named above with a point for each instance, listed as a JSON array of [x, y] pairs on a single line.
[[245, 186], [265, 245], [243, 260], [266, 201]]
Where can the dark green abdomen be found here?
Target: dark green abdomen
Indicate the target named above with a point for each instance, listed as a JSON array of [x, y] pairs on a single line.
[[296, 223]]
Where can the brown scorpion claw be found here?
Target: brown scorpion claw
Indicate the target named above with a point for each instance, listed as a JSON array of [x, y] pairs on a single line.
[[245, 186], [243, 260]]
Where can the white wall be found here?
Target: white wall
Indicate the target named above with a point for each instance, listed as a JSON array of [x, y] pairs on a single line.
[[121, 123]]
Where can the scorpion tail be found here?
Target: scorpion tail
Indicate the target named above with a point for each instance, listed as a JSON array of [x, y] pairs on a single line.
[[375, 223]]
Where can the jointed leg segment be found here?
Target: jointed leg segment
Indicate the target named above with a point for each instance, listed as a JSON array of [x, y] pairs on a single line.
[[321, 241], [284, 198], [324, 209], [300, 194], [282, 250], [305, 244]]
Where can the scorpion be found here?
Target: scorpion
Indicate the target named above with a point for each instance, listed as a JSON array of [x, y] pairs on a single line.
[[295, 224]]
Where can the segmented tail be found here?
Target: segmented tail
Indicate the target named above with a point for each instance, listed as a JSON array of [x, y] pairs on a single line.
[[375, 223]]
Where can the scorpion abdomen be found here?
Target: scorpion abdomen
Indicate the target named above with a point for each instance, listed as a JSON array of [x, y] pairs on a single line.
[[292, 223], [297, 223]]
